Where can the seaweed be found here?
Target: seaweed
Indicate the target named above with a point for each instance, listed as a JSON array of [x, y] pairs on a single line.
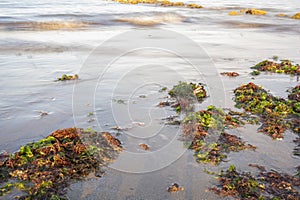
[[276, 114], [250, 11], [216, 152], [230, 74], [296, 16], [253, 11], [265, 185], [175, 188], [284, 66], [186, 94], [164, 3], [44, 168], [144, 146], [214, 121], [65, 77]]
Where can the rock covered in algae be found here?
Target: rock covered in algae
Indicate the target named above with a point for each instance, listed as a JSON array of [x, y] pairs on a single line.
[[44, 168]]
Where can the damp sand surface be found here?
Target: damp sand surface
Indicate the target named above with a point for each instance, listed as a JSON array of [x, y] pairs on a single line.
[[40, 41]]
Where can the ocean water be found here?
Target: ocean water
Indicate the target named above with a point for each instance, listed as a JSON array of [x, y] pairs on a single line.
[[122, 52]]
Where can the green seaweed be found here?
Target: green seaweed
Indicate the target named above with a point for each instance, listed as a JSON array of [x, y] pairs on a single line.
[[213, 121], [186, 94], [276, 114], [285, 66], [65, 77], [266, 185], [163, 89], [44, 168], [255, 73]]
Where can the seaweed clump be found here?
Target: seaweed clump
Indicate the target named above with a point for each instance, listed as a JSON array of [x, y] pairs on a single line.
[[253, 11], [43, 169], [266, 185], [250, 11], [197, 126], [276, 114], [296, 16], [65, 77], [285, 66], [186, 94], [230, 74]]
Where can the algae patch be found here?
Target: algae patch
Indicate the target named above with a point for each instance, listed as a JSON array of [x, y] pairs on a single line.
[[276, 114], [284, 66], [197, 126], [265, 185], [43, 169], [65, 77], [186, 94], [250, 11]]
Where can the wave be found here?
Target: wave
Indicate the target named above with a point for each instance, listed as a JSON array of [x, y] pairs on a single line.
[[154, 19], [49, 25]]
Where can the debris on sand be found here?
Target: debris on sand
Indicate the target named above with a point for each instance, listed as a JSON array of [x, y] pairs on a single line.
[[144, 146], [43, 169], [175, 188], [68, 77], [284, 66], [230, 74], [265, 185]]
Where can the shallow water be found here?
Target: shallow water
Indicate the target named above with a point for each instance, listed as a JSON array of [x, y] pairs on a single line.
[[41, 40]]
